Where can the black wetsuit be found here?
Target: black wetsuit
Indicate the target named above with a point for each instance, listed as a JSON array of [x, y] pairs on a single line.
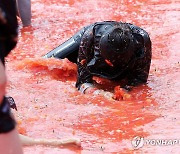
[[8, 40], [84, 49]]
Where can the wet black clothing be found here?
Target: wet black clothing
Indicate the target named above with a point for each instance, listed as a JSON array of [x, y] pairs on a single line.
[[8, 40], [84, 47], [136, 70]]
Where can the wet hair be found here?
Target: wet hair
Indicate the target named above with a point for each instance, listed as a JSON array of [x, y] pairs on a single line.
[[120, 37]]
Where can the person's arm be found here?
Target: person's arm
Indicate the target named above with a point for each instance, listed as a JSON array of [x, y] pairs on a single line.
[[68, 49]]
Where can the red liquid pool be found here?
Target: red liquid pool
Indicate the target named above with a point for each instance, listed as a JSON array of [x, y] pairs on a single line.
[[49, 106]]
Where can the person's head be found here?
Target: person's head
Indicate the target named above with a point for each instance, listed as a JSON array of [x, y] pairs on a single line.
[[116, 45]]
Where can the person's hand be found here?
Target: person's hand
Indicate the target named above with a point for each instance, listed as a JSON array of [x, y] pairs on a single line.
[[95, 91], [106, 94], [88, 88]]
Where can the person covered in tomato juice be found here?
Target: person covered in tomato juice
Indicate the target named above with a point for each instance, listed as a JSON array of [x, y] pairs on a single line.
[[112, 50]]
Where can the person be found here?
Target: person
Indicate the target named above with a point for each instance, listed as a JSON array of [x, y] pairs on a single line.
[[9, 138], [24, 11], [10, 141], [113, 50]]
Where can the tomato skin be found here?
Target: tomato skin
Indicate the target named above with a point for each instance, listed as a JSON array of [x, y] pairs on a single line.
[[121, 94]]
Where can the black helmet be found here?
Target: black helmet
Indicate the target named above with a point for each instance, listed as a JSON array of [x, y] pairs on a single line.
[[116, 45]]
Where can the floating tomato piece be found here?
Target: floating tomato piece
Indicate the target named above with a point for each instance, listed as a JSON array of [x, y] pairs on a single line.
[[121, 94], [108, 62], [118, 93]]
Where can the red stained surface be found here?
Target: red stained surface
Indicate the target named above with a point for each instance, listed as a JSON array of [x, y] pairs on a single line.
[[48, 104]]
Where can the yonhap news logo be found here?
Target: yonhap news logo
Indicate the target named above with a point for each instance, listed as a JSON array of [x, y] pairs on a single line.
[[138, 142]]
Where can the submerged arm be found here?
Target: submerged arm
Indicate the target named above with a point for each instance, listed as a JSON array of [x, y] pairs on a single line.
[[68, 49]]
